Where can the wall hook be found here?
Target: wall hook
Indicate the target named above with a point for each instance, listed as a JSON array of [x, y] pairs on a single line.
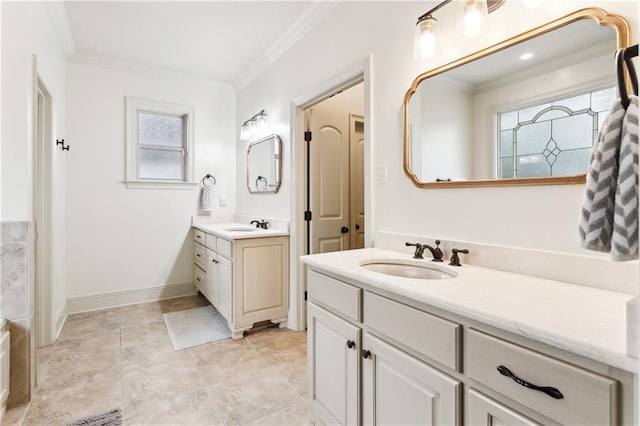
[[61, 142]]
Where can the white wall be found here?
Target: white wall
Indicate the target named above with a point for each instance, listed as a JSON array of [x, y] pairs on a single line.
[[542, 217], [119, 239], [447, 134], [28, 29]]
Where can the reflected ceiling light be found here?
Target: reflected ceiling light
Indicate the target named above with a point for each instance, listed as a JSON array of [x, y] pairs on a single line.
[[253, 126], [472, 16], [526, 56]]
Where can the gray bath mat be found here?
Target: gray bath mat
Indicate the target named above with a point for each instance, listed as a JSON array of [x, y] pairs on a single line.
[[110, 418], [195, 327]]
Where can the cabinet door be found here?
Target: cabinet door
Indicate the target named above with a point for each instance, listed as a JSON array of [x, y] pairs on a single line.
[[485, 411], [399, 389], [212, 276], [223, 295], [333, 370]]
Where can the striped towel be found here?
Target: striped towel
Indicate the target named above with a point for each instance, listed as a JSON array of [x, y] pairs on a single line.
[[596, 219], [625, 223]]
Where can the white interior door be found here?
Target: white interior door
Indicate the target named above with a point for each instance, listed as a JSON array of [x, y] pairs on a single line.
[[356, 181], [329, 174]]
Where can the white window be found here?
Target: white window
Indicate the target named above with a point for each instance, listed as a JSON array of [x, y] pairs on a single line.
[[159, 144]]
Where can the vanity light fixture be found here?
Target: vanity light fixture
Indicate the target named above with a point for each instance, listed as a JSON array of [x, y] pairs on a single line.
[[472, 17], [253, 126]]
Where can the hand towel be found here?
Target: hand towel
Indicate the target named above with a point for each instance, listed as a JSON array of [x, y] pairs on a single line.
[[206, 198], [596, 219], [625, 221]]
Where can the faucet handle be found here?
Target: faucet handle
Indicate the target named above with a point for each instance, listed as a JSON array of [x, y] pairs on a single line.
[[455, 259], [419, 249]]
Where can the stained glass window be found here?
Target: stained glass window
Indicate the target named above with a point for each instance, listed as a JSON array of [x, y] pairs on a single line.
[[552, 138]]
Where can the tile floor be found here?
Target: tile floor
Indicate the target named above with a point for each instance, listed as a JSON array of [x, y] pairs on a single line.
[[123, 358]]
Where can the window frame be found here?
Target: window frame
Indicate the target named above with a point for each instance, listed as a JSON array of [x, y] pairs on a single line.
[[135, 105]]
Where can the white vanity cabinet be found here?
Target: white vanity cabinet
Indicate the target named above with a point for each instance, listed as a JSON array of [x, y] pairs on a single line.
[[377, 358], [483, 411], [354, 371], [334, 352], [245, 279]]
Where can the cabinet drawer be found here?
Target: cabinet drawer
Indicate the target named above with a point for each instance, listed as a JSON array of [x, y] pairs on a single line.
[[199, 236], [200, 256], [201, 280], [342, 297], [212, 241], [587, 398], [224, 248], [434, 337]]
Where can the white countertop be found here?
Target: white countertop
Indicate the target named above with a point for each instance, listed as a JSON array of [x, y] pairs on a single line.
[[229, 230], [583, 320]]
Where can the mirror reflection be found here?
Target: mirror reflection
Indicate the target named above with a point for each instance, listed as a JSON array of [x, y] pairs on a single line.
[[529, 109], [264, 165]]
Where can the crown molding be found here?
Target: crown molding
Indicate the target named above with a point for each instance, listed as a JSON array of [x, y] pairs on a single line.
[[304, 23], [58, 15], [81, 58]]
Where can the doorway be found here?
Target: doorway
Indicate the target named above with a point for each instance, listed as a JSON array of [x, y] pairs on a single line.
[[301, 228], [335, 172]]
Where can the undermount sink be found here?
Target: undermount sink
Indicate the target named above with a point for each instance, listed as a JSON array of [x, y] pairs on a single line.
[[241, 229], [408, 269]]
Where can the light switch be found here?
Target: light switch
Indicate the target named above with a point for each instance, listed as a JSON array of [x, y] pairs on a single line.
[[381, 172]]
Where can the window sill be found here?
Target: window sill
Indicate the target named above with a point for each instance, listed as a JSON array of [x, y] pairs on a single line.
[[158, 184]]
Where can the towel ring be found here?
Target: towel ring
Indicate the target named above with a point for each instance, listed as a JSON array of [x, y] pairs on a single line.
[[261, 183], [208, 176]]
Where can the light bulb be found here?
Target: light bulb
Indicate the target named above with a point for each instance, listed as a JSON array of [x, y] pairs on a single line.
[[472, 17], [253, 128], [244, 132], [425, 43], [261, 121]]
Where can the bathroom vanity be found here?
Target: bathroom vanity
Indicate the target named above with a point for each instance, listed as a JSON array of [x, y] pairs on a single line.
[[483, 347], [243, 272]]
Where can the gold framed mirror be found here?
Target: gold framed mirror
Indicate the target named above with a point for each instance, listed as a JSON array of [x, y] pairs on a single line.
[[492, 118], [264, 165]]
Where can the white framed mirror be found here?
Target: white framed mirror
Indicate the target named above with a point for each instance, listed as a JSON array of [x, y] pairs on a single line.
[[525, 111], [264, 165]]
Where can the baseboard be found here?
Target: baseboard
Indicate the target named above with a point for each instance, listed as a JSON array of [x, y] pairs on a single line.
[[61, 318], [129, 297]]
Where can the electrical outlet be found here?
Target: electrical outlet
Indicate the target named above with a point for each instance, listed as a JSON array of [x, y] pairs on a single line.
[[381, 172], [223, 202]]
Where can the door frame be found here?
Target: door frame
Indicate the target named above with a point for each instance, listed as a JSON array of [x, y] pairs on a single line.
[[42, 151], [362, 74]]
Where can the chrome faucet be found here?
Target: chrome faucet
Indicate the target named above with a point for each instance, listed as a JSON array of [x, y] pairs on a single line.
[[435, 252], [262, 224]]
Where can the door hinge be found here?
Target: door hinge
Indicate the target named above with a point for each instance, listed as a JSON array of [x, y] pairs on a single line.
[[307, 216], [307, 136], [305, 295]]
